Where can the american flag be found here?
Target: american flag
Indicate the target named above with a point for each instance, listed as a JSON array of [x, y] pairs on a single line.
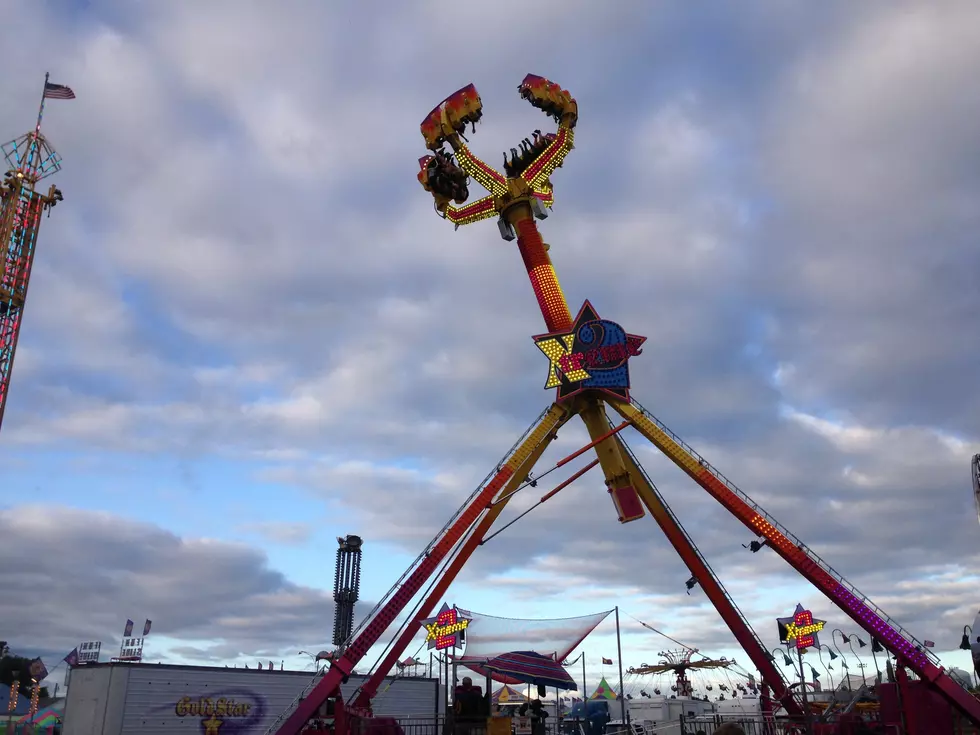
[[146, 626], [57, 92]]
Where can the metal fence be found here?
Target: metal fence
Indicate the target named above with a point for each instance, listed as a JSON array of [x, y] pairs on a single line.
[[700, 725]]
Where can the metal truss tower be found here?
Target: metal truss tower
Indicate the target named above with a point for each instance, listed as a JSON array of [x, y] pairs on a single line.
[[346, 587], [31, 159]]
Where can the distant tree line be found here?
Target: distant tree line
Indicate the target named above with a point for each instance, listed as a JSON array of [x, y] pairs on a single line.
[[17, 668]]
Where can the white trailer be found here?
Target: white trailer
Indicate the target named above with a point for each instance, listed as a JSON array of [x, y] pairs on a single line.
[[130, 698]]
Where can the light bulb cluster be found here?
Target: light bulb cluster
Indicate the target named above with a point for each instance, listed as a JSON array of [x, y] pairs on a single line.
[[896, 642], [544, 280], [545, 195], [35, 697], [652, 429], [14, 693], [443, 631], [551, 158], [557, 350], [773, 535], [481, 172], [479, 210], [802, 629]]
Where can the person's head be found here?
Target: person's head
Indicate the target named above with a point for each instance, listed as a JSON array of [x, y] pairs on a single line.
[[536, 704], [730, 728], [467, 682]]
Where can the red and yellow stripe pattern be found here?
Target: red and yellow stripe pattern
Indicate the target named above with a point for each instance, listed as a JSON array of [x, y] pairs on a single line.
[[480, 172], [544, 280], [481, 209], [537, 174]]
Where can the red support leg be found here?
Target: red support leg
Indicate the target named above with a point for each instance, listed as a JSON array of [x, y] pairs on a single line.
[[370, 687], [340, 669]]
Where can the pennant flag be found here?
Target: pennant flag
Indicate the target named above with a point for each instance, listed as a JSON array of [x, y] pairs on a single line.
[[39, 671], [72, 658], [57, 92], [260, 665], [929, 644], [606, 661], [272, 666], [128, 630], [146, 626]]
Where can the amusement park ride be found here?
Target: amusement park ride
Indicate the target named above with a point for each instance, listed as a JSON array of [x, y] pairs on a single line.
[[679, 663], [589, 366], [31, 159]]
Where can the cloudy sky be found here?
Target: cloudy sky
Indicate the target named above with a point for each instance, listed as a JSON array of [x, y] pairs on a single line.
[[247, 332]]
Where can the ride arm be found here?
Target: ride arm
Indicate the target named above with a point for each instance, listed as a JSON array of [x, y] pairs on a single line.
[[538, 174], [477, 169], [840, 592], [473, 541], [556, 102], [476, 211], [341, 668]]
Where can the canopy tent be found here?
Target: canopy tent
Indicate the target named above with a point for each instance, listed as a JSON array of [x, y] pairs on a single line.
[[525, 667], [507, 695], [22, 706], [489, 636], [603, 691], [44, 717]]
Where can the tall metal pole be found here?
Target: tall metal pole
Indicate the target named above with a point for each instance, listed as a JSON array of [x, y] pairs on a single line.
[[806, 704], [619, 660]]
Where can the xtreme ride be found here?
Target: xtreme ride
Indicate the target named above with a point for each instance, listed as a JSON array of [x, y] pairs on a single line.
[[589, 366]]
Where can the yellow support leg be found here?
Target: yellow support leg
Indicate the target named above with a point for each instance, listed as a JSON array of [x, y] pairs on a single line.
[[618, 481]]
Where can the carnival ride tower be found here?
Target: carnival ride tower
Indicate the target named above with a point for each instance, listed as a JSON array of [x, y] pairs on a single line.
[[346, 588], [30, 158], [588, 366]]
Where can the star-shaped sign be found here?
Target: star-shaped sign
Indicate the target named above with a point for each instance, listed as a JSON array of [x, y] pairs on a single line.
[[801, 629], [592, 355], [445, 629], [211, 725]]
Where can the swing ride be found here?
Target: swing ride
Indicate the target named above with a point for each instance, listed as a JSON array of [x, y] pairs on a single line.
[[678, 663], [588, 365]]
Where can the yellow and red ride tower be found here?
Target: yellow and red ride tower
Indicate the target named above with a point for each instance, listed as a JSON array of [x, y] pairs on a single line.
[[589, 366], [31, 159]]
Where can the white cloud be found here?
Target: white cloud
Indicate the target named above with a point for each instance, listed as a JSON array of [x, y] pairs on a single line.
[[245, 268]]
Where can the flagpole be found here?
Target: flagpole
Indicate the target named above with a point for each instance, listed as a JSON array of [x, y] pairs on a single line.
[[619, 660], [35, 142], [40, 111]]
